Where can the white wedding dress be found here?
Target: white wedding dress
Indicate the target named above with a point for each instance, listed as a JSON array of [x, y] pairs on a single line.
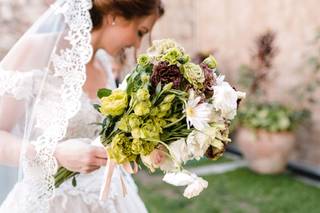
[[84, 198]]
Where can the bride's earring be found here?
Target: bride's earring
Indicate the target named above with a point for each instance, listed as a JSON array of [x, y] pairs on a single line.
[[113, 23]]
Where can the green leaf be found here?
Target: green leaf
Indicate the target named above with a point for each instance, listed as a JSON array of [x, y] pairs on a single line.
[[158, 88], [104, 92], [97, 107], [74, 182]]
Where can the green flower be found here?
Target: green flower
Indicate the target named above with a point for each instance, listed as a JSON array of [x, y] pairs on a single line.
[[184, 59], [137, 146], [211, 62], [120, 149], [165, 107], [136, 133], [142, 108], [150, 130], [134, 121], [147, 148], [194, 74], [143, 60], [123, 124], [114, 104], [143, 94], [145, 78], [172, 56]]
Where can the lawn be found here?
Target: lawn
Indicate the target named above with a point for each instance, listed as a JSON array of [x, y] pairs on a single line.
[[237, 191]]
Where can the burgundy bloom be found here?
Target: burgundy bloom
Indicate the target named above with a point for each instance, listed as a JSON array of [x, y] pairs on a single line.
[[165, 74], [209, 80]]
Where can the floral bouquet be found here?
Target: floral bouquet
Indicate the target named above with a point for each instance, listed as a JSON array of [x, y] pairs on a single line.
[[168, 111]]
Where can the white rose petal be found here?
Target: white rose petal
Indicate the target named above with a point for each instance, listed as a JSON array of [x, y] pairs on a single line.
[[225, 99], [179, 151], [195, 188], [198, 143], [178, 179]]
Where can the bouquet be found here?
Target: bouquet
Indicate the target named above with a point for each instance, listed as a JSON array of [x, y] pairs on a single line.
[[166, 112]]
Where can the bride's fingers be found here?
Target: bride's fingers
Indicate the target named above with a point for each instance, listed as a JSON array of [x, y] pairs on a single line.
[[89, 169], [99, 162], [99, 152]]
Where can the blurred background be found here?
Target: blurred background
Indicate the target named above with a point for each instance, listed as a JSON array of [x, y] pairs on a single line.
[[269, 49]]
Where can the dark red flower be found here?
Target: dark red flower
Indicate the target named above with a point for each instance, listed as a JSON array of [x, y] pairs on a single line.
[[165, 74], [209, 80]]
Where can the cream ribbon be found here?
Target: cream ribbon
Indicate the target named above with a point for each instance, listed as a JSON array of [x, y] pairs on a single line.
[[111, 164]]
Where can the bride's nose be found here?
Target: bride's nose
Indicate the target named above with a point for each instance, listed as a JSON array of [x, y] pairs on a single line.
[[137, 43]]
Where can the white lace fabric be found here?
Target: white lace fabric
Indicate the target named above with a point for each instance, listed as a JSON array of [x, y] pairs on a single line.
[[52, 120]]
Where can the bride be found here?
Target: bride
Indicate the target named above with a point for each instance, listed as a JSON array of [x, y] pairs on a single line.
[[48, 83]]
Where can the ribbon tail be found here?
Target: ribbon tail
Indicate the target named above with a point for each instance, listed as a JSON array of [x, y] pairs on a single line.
[[124, 188], [107, 179]]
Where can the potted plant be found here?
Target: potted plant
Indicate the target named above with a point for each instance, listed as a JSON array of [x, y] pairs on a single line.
[[265, 133]]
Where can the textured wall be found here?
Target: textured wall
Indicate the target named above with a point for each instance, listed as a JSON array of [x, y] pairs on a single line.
[[228, 27]]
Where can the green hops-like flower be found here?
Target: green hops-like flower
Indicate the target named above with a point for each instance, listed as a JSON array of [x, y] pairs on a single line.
[[114, 104], [211, 62], [172, 56], [143, 60], [143, 94], [194, 74], [142, 108]]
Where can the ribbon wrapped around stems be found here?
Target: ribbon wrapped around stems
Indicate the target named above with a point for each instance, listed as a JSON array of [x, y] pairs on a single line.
[[111, 164]]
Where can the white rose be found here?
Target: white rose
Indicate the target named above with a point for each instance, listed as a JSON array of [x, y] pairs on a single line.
[[225, 99], [178, 179], [198, 143], [179, 151], [195, 188], [194, 184]]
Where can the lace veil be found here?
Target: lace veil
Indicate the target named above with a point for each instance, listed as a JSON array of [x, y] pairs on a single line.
[[41, 81]]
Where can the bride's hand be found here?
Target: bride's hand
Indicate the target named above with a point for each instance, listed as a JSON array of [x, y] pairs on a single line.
[[79, 156]]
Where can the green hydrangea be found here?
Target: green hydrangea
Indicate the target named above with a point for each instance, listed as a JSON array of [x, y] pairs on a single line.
[[114, 104], [194, 74]]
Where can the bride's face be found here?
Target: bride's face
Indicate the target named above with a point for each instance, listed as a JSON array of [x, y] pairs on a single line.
[[117, 33]]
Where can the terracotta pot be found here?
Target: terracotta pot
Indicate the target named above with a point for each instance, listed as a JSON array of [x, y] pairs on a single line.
[[267, 153]]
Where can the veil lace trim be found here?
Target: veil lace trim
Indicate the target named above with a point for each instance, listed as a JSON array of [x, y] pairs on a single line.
[[69, 65]]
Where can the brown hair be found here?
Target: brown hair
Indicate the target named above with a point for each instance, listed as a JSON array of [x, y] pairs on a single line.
[[129, 9]]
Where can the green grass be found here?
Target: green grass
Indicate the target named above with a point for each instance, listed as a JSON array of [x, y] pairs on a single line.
[[236, 191]]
